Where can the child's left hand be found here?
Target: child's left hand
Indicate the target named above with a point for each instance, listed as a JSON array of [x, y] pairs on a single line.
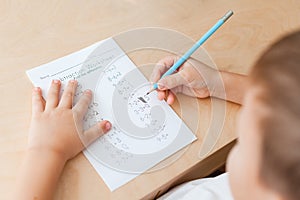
[[56, 127]]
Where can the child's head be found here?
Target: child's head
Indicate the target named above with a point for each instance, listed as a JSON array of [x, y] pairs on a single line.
[[265, 164]]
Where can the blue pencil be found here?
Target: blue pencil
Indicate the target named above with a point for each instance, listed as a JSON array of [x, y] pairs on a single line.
[[194, 47]]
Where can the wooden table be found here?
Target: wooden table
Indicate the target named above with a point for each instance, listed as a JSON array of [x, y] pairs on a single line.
[[36, 32]]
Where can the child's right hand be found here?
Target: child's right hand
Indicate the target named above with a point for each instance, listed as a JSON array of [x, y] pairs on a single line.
[[193, 78]]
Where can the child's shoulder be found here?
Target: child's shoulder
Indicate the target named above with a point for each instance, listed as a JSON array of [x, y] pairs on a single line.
[[206, 188]]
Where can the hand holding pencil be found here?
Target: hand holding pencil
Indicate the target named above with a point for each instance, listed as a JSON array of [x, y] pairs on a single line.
[[170, 65], [193, 78]]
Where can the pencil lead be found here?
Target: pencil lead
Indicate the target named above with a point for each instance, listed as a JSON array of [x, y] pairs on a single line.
[[150, 91]]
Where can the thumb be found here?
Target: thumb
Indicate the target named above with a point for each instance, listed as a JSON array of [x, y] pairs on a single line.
[[95, 132], [171, 81]]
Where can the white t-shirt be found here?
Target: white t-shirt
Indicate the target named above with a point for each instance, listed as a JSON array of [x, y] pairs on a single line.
[[206, 189]]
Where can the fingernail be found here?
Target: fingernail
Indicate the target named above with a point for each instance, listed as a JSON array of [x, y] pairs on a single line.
[[107, 126], [56, 81], [36, 89], [73, 81], [88, 92], [161, 86]]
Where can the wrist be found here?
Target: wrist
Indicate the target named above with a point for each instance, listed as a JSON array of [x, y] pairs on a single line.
[[215, 84], [229, 86], [55, 158], [39, 174]]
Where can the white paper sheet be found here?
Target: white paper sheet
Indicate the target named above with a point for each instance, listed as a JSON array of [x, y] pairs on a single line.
[[145, 131]]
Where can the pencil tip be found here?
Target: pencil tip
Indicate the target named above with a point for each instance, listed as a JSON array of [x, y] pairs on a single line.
[[150, 91]]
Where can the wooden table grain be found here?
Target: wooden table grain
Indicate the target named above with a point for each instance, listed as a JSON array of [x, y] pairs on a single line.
[[35, 32]]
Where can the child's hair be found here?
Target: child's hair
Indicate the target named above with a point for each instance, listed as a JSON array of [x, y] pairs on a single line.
[[278, 72]]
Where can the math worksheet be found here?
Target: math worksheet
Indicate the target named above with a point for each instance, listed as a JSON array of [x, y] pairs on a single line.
[[145, 130]]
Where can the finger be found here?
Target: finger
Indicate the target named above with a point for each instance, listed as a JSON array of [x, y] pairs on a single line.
[[53, 95], [83, 103], [161, 95], [168, 95], [37, 101], [68, 95], [161, 67], [171, 98], [172, 81], [96, 131]]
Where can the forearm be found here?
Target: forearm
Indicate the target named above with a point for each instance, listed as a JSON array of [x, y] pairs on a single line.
[[39, 175], [230, 86]]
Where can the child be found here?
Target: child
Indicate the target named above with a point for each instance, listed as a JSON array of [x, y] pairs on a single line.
[[265, 164]]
